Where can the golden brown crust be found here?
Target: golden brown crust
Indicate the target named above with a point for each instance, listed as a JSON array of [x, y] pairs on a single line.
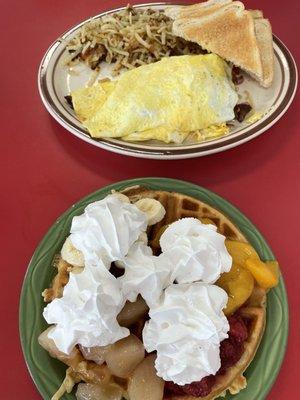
[[196, 10], [178, 206], [228, 32], [263, 32], [224, 27], [59, 281]]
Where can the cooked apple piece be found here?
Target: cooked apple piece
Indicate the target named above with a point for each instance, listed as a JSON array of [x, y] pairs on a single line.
[[90, 391], [132, 312], [124, 356], [144, 383], [72, 359], [96, 354]]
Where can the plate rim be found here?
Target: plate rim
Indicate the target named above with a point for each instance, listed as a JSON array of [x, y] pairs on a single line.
[[209, 147], [180, 186]]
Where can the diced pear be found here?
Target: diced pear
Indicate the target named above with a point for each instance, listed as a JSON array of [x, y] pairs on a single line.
[[124, 355], [48, 344], [132, 312], [96, 354], [91, 372], [91, 391], [144, 384]]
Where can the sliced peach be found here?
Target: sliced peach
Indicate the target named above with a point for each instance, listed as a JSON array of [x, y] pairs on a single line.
[[274, 267], [144, 384], [240, 252], [265, 274], [238, 284]]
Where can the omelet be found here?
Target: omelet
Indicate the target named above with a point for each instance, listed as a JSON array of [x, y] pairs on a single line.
[[166, 100]]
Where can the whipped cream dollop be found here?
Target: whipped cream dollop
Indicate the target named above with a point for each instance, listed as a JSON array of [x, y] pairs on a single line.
[[145, 274], [107, 229], [195, 251], [186, 329], [86, 313]]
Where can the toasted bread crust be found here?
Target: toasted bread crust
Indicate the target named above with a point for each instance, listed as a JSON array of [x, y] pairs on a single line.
[[229, 34], [196, 10], [225, 28], [263, 32]]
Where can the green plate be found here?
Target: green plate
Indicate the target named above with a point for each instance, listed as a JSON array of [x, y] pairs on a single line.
[[48, 373]]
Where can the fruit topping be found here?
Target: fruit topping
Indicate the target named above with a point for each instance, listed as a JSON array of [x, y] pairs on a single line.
[[266, 274], [90, 391], [240, 251], [132, 312], [124, 356], [231, 350], [197, 389], [144, 383], [96, 354], [238, 283], [48, 344]]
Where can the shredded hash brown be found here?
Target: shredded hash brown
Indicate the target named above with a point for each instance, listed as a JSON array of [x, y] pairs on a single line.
[[127, 39]]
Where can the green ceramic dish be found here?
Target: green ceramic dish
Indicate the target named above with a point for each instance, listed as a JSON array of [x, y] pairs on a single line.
[[48, 373]]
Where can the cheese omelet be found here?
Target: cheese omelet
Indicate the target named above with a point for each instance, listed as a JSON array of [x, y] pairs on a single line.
[[166, 100]]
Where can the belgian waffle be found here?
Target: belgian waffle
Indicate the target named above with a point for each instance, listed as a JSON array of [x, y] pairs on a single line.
[[180, 206]]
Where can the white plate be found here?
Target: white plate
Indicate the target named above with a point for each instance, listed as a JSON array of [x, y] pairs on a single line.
[[55, 82]]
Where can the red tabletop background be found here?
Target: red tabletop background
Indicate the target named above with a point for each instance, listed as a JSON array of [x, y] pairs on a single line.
[[44, 170]]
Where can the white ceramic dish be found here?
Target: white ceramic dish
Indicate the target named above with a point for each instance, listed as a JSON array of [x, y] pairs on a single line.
[[55, 82]]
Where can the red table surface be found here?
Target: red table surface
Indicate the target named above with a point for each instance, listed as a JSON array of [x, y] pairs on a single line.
[[45, 170]]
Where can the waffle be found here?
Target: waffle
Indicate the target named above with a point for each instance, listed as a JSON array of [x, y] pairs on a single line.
[[60, 280], [180, 206]]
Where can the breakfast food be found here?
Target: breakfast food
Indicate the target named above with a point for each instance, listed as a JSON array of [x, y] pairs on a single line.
[[162, 84], [225, 28], [127, 39], [160, 72], [167, 100], [159, 324]]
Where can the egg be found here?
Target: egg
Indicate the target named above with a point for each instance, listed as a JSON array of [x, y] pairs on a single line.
[[166, 100]]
